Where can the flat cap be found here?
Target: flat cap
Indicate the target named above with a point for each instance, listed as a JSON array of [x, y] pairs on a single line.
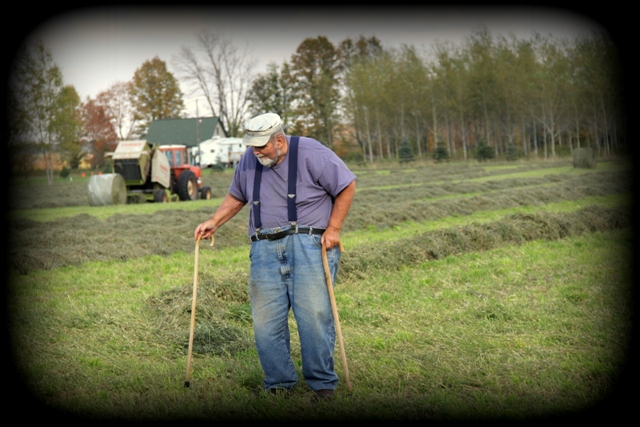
[[259, 129]]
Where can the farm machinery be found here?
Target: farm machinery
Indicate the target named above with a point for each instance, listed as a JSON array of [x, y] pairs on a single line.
[[143, 171]]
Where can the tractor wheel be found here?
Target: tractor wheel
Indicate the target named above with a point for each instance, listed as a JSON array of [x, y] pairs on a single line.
[[188, 186], [160, 196], [206, 193]]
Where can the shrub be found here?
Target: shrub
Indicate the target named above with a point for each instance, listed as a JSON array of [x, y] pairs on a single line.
[[64, 172], [484, 152], [108, 166]]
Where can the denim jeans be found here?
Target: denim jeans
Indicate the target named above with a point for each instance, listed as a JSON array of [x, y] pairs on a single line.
[[288, 274]]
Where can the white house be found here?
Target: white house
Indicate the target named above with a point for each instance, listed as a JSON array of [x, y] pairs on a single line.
[[225, 151]]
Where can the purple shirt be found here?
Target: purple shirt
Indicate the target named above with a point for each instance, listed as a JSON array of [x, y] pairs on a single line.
[[322, 175]]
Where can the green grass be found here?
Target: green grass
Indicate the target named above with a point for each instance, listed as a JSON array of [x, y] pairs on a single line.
[[517, 331], [102, 212], [540, 328]]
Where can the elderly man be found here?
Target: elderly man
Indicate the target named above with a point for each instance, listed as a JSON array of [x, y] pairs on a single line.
[[300, 193]]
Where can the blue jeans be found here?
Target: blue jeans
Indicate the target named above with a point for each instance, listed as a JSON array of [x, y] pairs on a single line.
[[288, 274]]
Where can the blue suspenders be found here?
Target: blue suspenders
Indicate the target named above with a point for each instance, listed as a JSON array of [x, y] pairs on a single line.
[[291, 191]]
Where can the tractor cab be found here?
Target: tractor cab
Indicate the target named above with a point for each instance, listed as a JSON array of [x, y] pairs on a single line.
[[186, 179], [176, 154]]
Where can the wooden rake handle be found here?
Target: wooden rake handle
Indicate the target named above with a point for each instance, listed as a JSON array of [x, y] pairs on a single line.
[[334, 309], [193, 308]]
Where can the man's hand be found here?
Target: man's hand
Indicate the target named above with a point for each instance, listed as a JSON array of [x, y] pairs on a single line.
[[204, 230], [330, 237], [229, 207]]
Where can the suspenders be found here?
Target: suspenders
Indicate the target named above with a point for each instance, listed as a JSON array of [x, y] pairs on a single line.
[[291, 191]]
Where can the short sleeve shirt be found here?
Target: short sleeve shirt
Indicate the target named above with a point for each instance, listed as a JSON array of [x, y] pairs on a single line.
[[321, 176]]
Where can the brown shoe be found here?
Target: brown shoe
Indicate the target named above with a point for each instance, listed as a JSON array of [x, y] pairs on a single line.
[[324, 394]]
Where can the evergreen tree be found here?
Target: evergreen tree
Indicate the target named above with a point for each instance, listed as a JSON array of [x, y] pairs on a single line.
[[440, 153], [512, 152], [484, 151], [405, 152]]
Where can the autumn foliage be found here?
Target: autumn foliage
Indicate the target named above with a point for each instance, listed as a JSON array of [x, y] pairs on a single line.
[[100, 135]]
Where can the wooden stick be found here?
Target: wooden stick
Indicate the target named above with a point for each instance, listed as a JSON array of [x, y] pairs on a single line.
[[334, 308], [193, 309]]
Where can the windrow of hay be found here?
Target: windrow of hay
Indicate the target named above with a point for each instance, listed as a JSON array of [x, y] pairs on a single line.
[[513, 229], [223, 308], [222, 313], [34, 193], [73, 241], [83, 238], [441, 173], [376, 211]]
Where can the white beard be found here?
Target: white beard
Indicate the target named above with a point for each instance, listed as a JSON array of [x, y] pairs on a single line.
[[265, 161]]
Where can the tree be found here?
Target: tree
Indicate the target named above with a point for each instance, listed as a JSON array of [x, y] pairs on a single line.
[[405, 152], [314, 68], [271, 93], [98, 133], [39, 105], [117, 104], [155, 94], [217, 70], [67, 125], [440, 152], [483, 83]]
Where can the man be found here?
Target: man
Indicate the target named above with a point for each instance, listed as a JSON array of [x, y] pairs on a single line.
[[300, 193]]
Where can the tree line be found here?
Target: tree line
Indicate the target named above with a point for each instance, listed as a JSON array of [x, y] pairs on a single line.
[[497, 95]]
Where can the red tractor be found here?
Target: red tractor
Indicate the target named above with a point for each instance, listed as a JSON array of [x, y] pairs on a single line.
[[186, 179], [151, 172]]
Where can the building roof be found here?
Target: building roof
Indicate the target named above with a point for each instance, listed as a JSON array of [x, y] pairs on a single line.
[[183, 131]]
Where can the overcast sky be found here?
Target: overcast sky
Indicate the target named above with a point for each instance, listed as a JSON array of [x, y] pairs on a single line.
[[97, 47]]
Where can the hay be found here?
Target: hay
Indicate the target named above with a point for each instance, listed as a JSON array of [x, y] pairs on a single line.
[[218, 339], [107, 189], [513, 229], [222, 312], [73, 241], [584, 158]]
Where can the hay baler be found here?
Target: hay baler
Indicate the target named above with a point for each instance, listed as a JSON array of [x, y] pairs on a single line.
[[147, 171]]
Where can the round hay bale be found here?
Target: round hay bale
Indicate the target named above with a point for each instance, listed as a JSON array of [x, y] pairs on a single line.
[[584, 158], [107, 189]]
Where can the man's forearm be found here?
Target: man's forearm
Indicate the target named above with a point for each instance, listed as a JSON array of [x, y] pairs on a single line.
[[341, 206], [229, 207]]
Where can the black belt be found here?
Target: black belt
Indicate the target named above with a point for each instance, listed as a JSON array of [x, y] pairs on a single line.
[[281, 234]]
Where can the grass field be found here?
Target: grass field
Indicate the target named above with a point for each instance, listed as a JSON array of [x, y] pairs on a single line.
[[467, 291]]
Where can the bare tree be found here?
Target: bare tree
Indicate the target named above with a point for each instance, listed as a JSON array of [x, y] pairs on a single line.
[[220, 72], [117, 103]]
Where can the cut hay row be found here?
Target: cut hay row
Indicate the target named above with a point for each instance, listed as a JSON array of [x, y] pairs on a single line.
[[35, 193], [225, 315], [513, 229], [75, 240]]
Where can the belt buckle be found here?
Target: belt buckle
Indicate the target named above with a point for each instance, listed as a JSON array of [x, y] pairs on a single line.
[[273, 236]]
